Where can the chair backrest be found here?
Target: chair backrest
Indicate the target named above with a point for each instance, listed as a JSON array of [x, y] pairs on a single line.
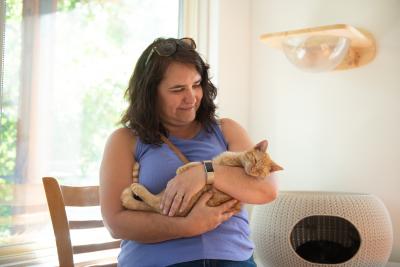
[[58, 198]]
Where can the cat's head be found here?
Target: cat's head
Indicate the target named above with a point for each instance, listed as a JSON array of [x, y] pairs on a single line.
[[258, 163]]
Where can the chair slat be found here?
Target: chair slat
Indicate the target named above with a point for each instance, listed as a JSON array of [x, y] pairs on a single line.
[[58, 197], [95, 247], [85, 224], [107, 262], [98, 264], [80, 197]]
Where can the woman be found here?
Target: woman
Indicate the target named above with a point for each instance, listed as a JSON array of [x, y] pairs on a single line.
[[170, 94]]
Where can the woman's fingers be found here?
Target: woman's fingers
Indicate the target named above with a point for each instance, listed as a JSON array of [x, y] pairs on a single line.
[[203, 218], [185, 203], [227, 206], [167, 199], [226, 216], [226, 210], [175, 204], [176, 196]]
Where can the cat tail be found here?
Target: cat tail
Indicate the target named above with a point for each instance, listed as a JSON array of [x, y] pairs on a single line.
[[135, 173]]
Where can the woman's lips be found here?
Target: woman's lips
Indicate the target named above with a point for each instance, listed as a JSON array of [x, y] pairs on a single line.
[[187, 108]]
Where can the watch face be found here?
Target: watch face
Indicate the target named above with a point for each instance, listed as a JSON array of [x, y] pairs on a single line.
[[209, 166]]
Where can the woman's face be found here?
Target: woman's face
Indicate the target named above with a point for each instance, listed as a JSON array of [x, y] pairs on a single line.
[[179, 94]]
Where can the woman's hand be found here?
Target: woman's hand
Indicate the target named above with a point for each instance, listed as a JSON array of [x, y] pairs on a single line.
[[203, 218], [181, 189]]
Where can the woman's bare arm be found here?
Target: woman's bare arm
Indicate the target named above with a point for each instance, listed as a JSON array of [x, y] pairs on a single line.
[[233, 180]]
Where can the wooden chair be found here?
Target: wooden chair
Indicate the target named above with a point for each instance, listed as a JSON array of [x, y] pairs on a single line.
[[58, 198]]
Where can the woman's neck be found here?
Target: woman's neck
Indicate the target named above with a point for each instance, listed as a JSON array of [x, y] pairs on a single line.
[[184, 131]]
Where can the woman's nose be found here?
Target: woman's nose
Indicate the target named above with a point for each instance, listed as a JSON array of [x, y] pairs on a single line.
[[190, 95]]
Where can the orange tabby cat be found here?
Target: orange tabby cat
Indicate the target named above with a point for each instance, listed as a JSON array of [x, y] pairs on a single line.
[[256, 162]]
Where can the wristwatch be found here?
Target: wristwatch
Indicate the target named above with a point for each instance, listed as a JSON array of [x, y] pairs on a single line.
[[208, 167]]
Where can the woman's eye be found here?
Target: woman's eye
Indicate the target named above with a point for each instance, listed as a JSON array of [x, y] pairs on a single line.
[[178, 89]]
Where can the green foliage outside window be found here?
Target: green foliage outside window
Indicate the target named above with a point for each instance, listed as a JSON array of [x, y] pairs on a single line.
[[100, 105], [8, 144]]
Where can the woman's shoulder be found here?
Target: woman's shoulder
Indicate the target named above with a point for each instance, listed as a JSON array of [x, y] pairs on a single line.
[[228, 125], [235, 135], [123, 133], [123, 138]]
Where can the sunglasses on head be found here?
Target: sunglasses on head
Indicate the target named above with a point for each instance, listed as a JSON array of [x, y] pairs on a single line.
[[166, 48]]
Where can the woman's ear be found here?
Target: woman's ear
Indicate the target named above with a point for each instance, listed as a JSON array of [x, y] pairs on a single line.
[[262, 146]]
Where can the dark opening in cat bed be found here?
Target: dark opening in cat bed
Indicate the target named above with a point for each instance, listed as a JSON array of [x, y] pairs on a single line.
[[325, 239]]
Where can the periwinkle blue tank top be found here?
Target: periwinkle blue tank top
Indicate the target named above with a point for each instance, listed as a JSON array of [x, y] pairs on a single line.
[[229, 241]]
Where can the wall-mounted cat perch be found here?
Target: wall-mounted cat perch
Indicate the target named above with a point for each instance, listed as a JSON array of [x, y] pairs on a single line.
[[324, 48]]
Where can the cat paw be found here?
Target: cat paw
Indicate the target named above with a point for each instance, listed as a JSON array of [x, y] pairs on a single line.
[[127, 199], [126, 195], [136, 189]]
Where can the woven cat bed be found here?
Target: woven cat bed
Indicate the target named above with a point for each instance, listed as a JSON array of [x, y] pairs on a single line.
[[322, 229]]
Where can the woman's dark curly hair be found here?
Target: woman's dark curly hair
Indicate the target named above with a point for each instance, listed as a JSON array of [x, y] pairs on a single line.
[[142, 114]]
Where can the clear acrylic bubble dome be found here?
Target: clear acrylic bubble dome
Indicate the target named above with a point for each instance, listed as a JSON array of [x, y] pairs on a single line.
[[316, 53]]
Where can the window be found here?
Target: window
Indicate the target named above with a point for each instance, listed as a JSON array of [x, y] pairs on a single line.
[[66, 66]]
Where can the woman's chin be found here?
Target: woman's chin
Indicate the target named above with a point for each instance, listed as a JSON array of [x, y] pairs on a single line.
[[188, 116]]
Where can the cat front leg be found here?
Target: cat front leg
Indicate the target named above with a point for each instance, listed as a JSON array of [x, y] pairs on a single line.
[[187, 166], [129, 202], [150, 199]]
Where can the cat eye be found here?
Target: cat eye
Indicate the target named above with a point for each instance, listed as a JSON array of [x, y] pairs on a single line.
[[166, 48]]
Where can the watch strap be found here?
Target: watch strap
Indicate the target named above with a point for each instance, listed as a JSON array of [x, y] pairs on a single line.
[[209, 169]]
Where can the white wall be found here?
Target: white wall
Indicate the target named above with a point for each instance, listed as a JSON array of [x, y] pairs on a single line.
[[234, 41], [335, 131]]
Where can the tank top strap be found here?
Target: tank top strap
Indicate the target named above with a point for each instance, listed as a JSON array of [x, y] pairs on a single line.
[[217, 129]]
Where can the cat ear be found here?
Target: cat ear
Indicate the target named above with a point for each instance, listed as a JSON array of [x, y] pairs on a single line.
[[262, 146], [275, 167]]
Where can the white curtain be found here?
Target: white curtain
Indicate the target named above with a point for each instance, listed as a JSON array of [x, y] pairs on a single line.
[[66, 66]]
